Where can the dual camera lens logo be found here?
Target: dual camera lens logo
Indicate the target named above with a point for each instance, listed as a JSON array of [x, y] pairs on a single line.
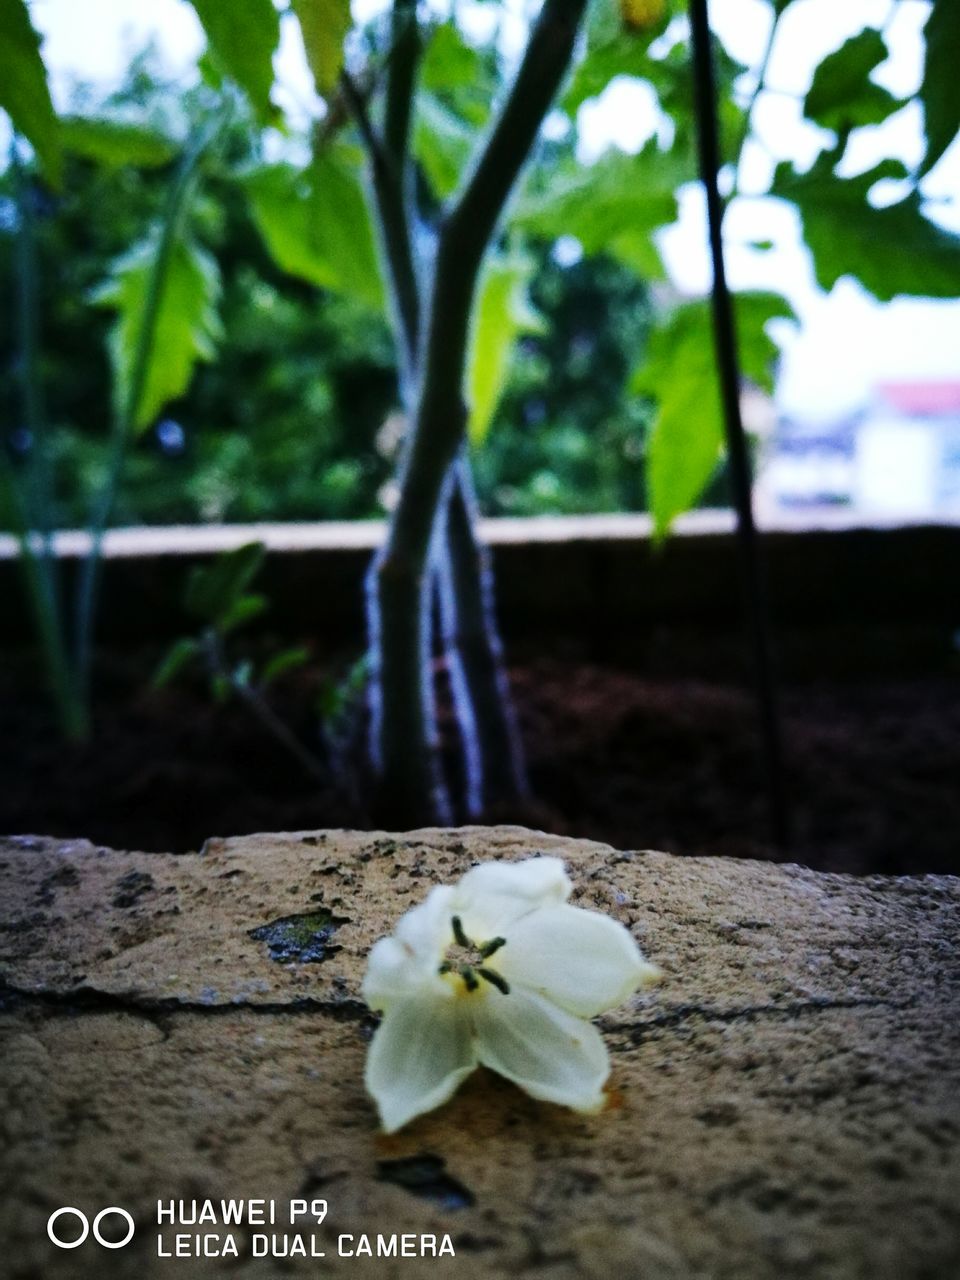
[[85, 1227]]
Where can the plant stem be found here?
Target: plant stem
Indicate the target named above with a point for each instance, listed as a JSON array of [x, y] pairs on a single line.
[[399, 582], [491, 746], [725, 338], [260, 709], [39, 569], [125, 418], [474, 657], [752, 100]]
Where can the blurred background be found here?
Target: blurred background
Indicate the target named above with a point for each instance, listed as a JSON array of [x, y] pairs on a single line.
[[271, 399], [865, 409]]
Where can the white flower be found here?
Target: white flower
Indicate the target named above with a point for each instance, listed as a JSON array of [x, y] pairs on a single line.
[[497, 970]]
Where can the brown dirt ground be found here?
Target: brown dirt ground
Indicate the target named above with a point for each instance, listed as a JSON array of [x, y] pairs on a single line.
[[670, 763]]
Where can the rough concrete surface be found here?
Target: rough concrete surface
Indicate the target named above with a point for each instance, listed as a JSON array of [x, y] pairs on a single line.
[[785, 1104]]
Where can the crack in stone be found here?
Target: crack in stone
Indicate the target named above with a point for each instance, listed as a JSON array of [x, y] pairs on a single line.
[[747, 1013], [88, 999]]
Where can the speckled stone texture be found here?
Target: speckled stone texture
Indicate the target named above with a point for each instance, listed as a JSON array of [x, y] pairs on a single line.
[[785, 1104]]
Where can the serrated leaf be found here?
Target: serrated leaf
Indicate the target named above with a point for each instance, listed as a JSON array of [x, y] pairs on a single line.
[[213, 589], [280, 663], [324, 25], [940, 90], [687, 438], [316, 223], [442, 143], [182, 652], [186, 329], [501, 314], [24, 93], [115, 144], [614, 206], [243, 36], [842, 96], [892, 251]]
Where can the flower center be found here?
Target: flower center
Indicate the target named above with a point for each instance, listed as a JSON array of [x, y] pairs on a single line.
[[468, 960]]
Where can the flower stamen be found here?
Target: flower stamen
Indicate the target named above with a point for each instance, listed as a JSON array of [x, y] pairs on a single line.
[[472, 968], [496, 979]]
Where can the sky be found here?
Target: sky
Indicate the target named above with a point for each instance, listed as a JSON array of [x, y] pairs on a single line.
[[845, 343]]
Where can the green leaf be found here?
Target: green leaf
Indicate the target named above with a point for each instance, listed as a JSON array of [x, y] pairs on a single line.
[[187, 324], [842, 95], [316, 223], [614, 206], [182, 652], [324, 25], [756, 350], [687, 438], [501, 314], [337, 697], [892, 251], [619, 33], [622, 56], [242, 610], [940, 90], [449, 63], [213, 589], [442, 143], [243, 36], [280, 663], [24, 94], [114, 144]]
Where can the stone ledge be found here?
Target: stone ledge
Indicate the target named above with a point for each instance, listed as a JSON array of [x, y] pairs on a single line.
[[785, 1104]]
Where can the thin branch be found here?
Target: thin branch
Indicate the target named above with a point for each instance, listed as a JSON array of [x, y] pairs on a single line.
[[758, 88], [548, 54], [401, 76], [462, 243], [389, 180], [725, 337]]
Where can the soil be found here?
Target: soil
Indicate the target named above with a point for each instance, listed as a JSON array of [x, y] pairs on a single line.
[[873, 767]]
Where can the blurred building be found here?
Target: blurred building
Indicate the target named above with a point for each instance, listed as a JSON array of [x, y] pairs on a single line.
[[897, 456]]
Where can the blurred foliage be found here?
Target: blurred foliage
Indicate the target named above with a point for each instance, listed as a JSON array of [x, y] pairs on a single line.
[[23, 86], [590, 381]]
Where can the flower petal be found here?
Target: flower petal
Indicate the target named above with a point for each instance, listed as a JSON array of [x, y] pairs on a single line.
[[425, 930], [493, 894], [581, 960], [395, 973], [544, 1050], [420, 1054]]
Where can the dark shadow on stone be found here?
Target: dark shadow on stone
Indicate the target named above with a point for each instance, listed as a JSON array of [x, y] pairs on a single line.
[[426, 1177]]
